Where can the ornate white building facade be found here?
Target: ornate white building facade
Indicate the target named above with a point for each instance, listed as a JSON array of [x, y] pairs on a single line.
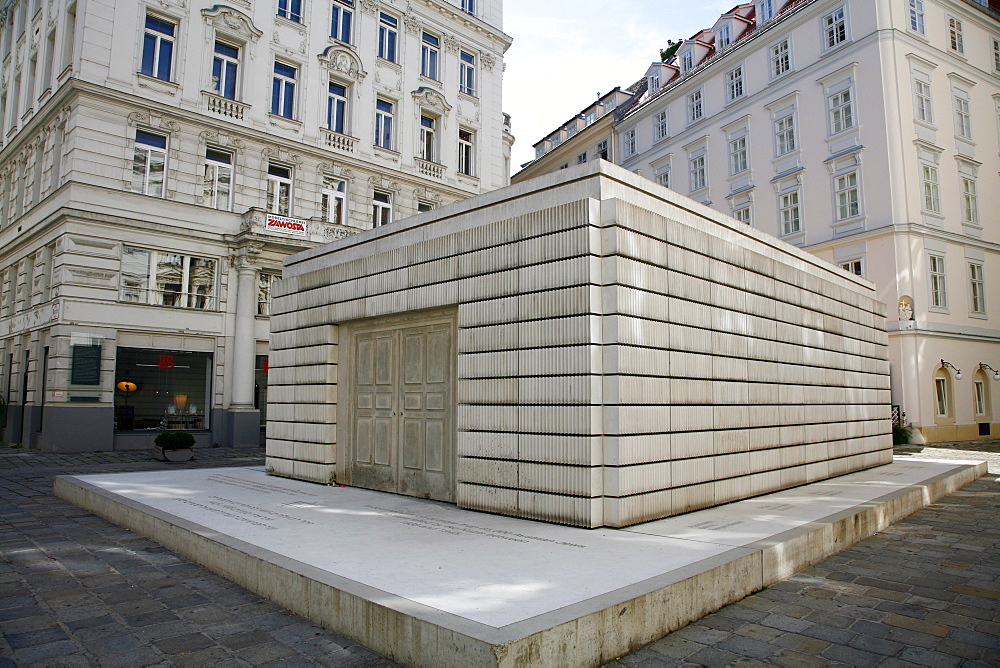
[[867, 132], [160, 159]]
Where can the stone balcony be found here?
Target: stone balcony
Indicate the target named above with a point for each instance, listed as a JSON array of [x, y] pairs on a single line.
[[338, 142], [223, 106], [431, 169]]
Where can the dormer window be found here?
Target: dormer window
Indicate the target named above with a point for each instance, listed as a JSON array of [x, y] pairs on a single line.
[[723, 38], [590, 117], [765, 11], [687, 62], [654, 82]]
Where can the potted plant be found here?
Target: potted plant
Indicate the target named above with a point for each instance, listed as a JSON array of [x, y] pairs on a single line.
[[174, 446]]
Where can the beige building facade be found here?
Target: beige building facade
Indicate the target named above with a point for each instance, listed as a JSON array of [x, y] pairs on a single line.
[[867, 133], [159, 161]]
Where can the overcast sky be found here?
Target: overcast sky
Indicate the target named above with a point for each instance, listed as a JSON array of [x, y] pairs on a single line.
[[565, 53]]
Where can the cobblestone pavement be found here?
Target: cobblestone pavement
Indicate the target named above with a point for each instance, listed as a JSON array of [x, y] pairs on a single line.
[[77, 590]]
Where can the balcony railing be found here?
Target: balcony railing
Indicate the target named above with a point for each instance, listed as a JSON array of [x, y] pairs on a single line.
[[432, 169], [339, 142], [223, 106]]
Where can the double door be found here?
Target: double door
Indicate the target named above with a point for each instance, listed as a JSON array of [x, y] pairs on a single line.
[[402, 431]]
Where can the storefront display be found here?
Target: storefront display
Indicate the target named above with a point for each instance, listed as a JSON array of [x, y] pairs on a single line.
[[162, 389]]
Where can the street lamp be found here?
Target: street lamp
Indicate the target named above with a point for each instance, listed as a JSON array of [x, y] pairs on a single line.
[[949, 365], [984, 366]]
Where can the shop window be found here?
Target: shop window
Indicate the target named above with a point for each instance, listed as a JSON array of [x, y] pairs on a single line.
[[162, 389]]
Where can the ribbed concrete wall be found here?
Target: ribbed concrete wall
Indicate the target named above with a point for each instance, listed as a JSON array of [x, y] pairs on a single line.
[[623, 353]]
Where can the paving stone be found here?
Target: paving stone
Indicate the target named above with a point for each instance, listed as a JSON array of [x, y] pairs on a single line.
[[107, 588]]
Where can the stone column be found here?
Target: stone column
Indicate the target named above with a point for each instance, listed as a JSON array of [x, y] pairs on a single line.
[[244, 419]]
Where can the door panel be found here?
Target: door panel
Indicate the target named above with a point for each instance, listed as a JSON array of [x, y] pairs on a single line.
[[403, 432]]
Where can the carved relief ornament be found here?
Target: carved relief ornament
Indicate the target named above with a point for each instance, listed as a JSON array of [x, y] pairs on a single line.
[[231, 21], [152, 120], [344, 62], [428, 98]]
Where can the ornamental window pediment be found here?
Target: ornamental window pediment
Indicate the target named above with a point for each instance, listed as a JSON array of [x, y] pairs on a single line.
[[343, 61]]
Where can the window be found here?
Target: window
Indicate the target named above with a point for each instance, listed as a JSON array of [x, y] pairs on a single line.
[[852, 267], [219, 179], [963, 118], [290, 9], [957, 42], [590, 117], [265, 285], [333, 201], [996, 54], [979, 390], [660, 130], [765, 11], [336, 108], [939, 286], [739, 161], [846, 193], [970, 202], [742, 214], [628, 143], [467, 73], [158, 48], [428, 138], [429, 56], [835, 28], [694, 106], [167, 279], [279, 189], [340, 21], [687, 62], [654, 82], [424, 207], [734, 84], [381, 209], [841, 111], [469, 6], [977, 288], [602, 149], [698, 178], [149, 164], [174, 390], [387, 26], [663, 177], [467, 154], [283, 90], [582, 158], [723, 38], [225, 67], [917, 16], [383, 123], [932, 196], [941, 394], [784, 134], [791, 221], [781, 59], [922, 93]]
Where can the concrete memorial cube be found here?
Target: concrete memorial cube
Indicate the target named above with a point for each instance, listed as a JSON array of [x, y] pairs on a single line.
[[586, 348]]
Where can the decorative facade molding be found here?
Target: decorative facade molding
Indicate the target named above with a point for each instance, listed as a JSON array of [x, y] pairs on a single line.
[[488, 59], [281, 155], [370, 6], [428, 98], [451, 43], [412, 23], [427, 195], [220, 138], [379, 181], [153, 120], [232, 22], [332, 169], [344, 62]]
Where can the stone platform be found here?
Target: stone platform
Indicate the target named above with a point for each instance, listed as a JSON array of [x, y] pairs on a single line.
[[427, 583]]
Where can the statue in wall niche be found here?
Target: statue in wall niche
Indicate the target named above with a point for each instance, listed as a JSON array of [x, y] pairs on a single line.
[[905, 310]]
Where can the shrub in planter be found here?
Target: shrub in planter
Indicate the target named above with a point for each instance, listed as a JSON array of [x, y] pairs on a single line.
[[175, 440], [174, 446]]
